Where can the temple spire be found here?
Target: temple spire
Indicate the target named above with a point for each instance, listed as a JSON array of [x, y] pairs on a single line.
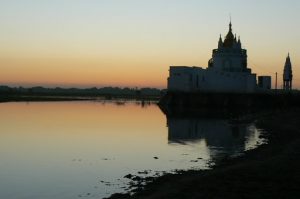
[[229, 38]]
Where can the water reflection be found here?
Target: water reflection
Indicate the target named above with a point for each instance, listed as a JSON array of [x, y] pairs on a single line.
[[65, 150], [222, 137]]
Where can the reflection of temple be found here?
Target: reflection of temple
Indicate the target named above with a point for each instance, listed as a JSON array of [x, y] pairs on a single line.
[[221, 137]]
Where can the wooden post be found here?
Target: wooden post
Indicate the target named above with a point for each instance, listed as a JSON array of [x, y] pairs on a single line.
[[276, 83]]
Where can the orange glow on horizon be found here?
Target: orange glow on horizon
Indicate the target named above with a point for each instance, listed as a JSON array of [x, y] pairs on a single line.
[[133, 44], [125, 72]]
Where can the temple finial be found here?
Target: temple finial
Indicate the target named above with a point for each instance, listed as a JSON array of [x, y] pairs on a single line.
[[230, 24]]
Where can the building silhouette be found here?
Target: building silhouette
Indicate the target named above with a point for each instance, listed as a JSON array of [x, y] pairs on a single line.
[[227, 71]]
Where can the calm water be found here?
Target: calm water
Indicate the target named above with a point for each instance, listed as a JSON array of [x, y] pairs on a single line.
[[61, 150]]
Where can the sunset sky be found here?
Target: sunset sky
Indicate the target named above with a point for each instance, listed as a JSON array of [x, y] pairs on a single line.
[[86, 43]]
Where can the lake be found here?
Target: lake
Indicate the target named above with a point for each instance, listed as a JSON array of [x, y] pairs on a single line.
[[62, 150]]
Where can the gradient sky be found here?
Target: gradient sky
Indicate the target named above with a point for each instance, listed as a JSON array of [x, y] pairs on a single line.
[[133, 42]]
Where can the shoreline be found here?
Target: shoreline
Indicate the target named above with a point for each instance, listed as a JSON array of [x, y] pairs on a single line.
[[269, 171]]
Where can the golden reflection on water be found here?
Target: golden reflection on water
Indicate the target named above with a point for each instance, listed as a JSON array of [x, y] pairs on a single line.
[[62, 149], [59, 149], [78, 125]]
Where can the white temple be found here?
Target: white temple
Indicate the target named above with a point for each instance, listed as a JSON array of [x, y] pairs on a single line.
[[227, 71]]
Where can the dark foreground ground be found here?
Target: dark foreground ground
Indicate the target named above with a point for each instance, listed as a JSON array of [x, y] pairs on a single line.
[[270, 171]]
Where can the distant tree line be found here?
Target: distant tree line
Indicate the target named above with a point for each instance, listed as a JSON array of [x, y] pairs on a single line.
[[89, 92]]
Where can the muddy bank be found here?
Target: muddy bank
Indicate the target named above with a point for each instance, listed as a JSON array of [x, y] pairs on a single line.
[[270, 171]]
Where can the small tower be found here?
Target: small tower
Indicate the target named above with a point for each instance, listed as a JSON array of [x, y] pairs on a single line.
[[239, 43], [287, 74], [220, 43]]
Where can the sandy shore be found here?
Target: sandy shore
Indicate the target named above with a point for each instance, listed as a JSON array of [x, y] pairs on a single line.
[[270, 171]]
